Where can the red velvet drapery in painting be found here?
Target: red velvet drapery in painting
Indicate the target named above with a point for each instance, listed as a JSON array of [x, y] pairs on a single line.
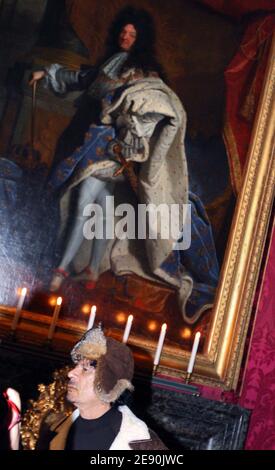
[[244, 76]]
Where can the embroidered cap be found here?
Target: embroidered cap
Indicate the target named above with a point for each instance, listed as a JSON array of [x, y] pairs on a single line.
[[115, 364]]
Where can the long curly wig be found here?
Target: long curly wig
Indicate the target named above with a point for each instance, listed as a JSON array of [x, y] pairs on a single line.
[[142, 55]]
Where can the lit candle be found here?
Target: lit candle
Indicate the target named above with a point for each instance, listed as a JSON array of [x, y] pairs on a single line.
[[20, 303], [160, 344], [127, 329], [55, 318], [193, 353], [91, 318]]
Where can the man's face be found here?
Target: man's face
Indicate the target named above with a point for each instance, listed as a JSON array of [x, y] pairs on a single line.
[[127, 37], [80, 390]]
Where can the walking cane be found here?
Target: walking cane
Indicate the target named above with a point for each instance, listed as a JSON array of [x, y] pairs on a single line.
[[33, 117]]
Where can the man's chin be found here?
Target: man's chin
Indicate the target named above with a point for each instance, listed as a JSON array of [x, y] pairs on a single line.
[[124, 47], [71, 395]]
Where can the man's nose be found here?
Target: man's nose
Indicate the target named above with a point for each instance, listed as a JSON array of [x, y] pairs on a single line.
[[73, 372]]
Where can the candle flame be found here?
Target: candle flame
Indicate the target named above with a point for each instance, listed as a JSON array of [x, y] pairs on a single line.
[[52, 301], [86, 308], [121, 317], [59, 301], [23, 291], [186, 333], [152, 326]]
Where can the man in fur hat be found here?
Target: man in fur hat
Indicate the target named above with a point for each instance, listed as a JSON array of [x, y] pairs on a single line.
[[103, 371]]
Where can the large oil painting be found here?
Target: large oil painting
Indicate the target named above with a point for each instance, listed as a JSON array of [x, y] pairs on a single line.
[[195, 129]]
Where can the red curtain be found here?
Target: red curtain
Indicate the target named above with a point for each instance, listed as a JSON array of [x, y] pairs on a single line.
[[238, 8], [244, 76], [244, 80], [259, 381]]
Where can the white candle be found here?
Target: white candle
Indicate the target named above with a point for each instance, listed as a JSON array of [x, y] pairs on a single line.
[[55, 317], [91, 318], [127, 329], [193, 353], [160, 344], [20, 303]]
